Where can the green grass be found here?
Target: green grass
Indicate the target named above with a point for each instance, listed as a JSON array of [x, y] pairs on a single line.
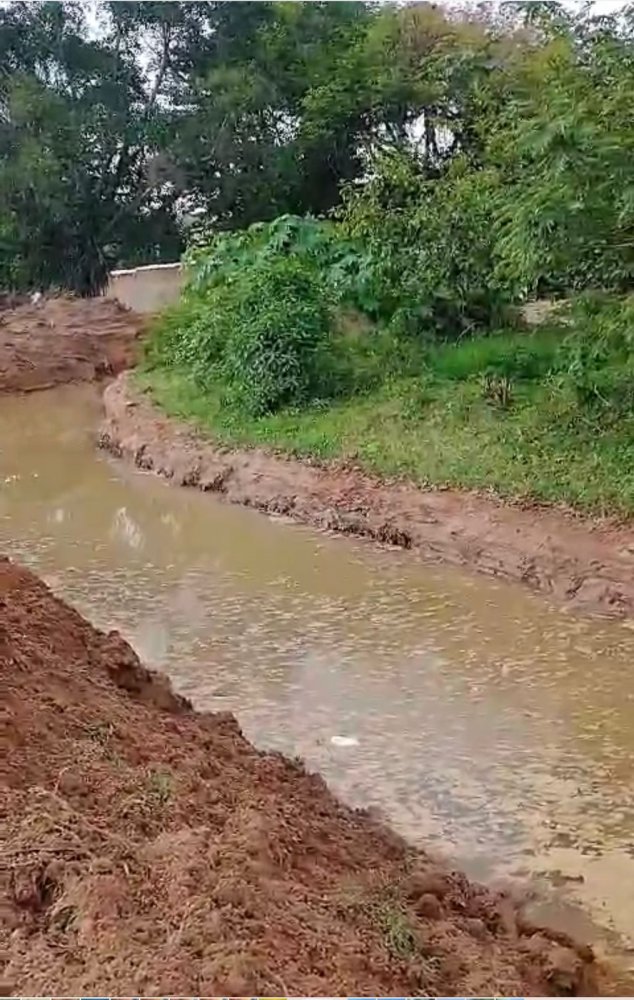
[[518, 355], [441, 429]]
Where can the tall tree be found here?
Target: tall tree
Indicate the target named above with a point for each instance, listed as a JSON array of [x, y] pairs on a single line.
[[77, 138], [114, 128]]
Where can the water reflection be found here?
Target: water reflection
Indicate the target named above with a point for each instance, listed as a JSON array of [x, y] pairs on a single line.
[[481, 721], [125, 529]]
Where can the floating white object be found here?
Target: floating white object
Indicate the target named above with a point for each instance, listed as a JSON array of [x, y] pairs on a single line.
[[344, 741]]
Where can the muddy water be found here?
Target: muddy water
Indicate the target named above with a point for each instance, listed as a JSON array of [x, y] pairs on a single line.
[[481, 721]]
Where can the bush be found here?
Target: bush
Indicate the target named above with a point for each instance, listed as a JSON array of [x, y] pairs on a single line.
[[596, 356], [429, 264], [278, 331], [601, 330], [191, 334], [318, 243], [564, 145], [253, 318], [362, 356]]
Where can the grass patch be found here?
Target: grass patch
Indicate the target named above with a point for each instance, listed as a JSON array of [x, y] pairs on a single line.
[[399, 937], [437, 431], [160, 786], [382, 905], [504, 353]]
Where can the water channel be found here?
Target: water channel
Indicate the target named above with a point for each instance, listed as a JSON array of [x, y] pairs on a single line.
[[483, 723]]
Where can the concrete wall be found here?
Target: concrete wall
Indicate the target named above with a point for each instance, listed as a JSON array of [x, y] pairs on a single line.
[[146, 289]]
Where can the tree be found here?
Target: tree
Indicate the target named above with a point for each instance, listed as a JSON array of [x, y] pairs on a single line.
[[111, 137], [77, 141], [565, 148], [267, 129]]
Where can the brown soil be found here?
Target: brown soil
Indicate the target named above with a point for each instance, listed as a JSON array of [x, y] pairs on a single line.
[[577, 561], [63, 340], [150, 850]]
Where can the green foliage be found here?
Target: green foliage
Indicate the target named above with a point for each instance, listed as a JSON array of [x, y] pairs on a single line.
[[472, 162], [277, 121], [192, 333], [485, 157], [363, 357], [543, 445], [568, 154], [551, 409], [596, 356], [565, 148], [317, 243], [257, 324], [272, 313], [430, 263], [372, 188], [77, 131], [516, 355], [539, 199], [602, 330], [276, 348]]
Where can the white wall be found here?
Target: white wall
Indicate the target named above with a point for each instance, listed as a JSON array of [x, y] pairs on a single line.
[[146, 289]]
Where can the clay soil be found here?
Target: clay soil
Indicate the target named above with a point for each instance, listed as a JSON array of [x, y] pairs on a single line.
[[151, 850], [63, 340], [576, 561]]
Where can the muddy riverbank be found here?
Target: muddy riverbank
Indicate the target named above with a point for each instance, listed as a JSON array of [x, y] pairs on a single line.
[[58, 340], [152, 849], [576, 561]]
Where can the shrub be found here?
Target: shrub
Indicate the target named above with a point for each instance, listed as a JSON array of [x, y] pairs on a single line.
[[254, 317], [191, 334], [318, 243], [596, 356], [601, 329], [429, 246], [564, 145], [278, 330], [362, 356]]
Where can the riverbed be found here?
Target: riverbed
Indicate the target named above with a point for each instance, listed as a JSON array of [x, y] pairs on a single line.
[[480, 721]]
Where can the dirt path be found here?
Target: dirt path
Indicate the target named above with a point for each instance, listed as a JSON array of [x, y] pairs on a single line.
[[64, 340], [150, 850], [576, 561]]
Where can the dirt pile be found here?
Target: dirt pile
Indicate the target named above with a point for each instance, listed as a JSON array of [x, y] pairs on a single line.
[[578, 561], [63, 340], [151, 850]]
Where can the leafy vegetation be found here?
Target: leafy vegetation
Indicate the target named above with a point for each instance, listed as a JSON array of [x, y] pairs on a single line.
[[279, 328], [272, 314], [419, 361], [123, 123], [369, 195]]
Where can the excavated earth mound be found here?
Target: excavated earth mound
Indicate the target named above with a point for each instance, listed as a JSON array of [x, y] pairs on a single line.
[[63, 339], [151, 850]]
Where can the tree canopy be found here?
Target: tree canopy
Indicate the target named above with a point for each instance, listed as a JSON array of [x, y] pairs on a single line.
[[123, 123]]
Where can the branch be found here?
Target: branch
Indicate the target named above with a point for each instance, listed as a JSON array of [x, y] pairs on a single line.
[[162, 68]]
